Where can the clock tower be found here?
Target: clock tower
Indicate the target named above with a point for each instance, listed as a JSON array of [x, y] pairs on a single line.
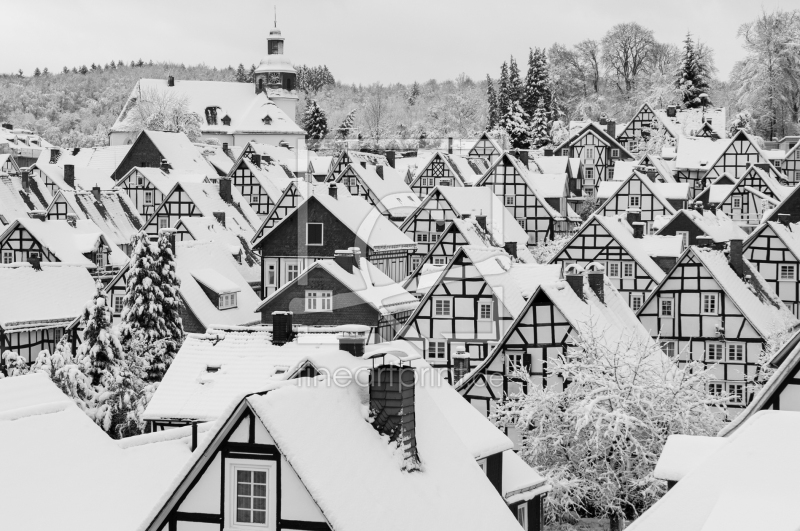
[[276, 76]]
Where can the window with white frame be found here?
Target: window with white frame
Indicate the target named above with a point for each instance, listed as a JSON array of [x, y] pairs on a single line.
[[437, 349], [628, 270], [716, 388], [714, 351], [148, 198], [666, 307], [736, 392], [163, 223], [787, 272], [737, 202], [589, 174], [684, 238], [140, 180], [319, 301], [634, 201], [668, 347], [735, 351], [565, 152], [521, 222], [522, 515], [313, 233], [270, 274], [439, 260], [8, 257], [484, 310], [227, 300], [612, 270], [414, 263], [433, 237], [611, 174], [252, 493], [588, 154], [636, 301], [421, 237], [117, 303], [510, 200], [615, 153], [442, 307], [710, 304], [292, 271]]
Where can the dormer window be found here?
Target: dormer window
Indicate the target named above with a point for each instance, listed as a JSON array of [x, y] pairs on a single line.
[[221, 291], [227, 300], [267, 120], [211, 115], [213, 368], [226, 120]]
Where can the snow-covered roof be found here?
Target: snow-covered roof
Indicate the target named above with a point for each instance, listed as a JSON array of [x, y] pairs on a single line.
[[623, 169], [689, 121], [180, 153], [92, 479], [319, 164], [476, 236], [366, 281], [756, 301], [113, 212], [244, 259], [549, 185], [552, 164], [239, 215], [717, 225], [165, 182], [219, 159], [238, 101], [789, 235], [642, 249], [193, 259], [391, 189], [102, 158], [466, 169], [68, 243], [293, 161], [520, 481], [50, 297], [698, 153], [272, 177], [683, 453], [748, 483], [85, 178], [15, 202]]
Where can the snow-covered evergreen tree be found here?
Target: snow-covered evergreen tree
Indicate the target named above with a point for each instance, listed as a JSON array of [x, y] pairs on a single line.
[[161, 354], [344, 129], [691, 80], [491, 96], [515, 89], [315, 122], [743, 121], [241, 75], [516, 124], [540, 135], [599, 438], [503, 99], [537, 84], [100, 353], [413, 93], [141, 311]]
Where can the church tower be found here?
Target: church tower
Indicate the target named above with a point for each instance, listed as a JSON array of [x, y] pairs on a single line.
[[276, 76]]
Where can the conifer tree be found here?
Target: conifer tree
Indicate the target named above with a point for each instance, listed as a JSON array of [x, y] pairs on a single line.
[[691, 79], [37, 72], [314, 122], [515, 90], [251, 74], [413, 94], [539, 130], [491, 96], [503, 98], [100, 353], [537, 83], [140, 309], [241, 75], [65, 71], [343, 131], [517, 126], [160, 355]]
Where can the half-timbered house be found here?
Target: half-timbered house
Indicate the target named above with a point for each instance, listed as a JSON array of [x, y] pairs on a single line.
[[656, 168], [445, 169], [381, 186], [324, 223], [21, 194], [789, 206], [469, 231], [221, 157], [260, 182], [258, 434], [293, 195], [69, 177], [634, 262], [343, 291], [318, 167], [791, 164], [597, 150], [688, 122], [714, 307], [572, 167], [444, 204], [293, 161], [169, 151], [736, 158], [220, 201], [468, 306], [40, 300], [774, 249], [553, 319], [147, 187], [651, 199], [347, 157], [694, 224], [8, 164], [112, 211], [75, 242], [486, 148], [638, 129], [694, 157]]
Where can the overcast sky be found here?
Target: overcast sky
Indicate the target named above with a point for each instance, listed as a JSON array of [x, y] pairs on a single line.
[[361, 41]]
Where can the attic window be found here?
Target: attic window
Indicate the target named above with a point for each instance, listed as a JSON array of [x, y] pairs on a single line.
[[267, 120], [226, 120], [227, 300], [211, 115], [213, 368]]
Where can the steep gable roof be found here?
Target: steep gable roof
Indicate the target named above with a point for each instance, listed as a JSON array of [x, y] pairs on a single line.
[[180, 153], [164, 182], [697, 153], [717, 225], [391, 190], [113, 212], [15, 202], [591, 127]]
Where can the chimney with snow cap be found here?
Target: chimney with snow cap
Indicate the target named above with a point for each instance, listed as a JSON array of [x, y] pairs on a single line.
[[353, 341], [69, 175], [282, 331], [596, 283], [633, 215], [449, 145], [344, 259], [481, 219], [26, 180], [333, 190], [511, 248], [736, 258], [225, 147], [611, 128], [638, 229], [96, 193], [225, 190], [391, 158], [575, 281], [379, 170], [392, 408], [784, 219], [171, 81]]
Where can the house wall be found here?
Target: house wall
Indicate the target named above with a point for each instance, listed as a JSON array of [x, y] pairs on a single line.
[[431, 177], [767, 253], [140, 193], [736, 158], [251, 190], [22, 244], [143, 153], [29, 344], [649, 204]]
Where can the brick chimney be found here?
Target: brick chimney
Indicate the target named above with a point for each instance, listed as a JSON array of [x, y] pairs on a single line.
[[26, 181], [735, 258], [638, 229], [69, 175], [344, 259], [784, 219], [450, 145], [379, 170], [460, 365], [511, 248], [35, 261], [353, 342], [391, 402], [255, 158], [391, 158], [481, 219], [225, 190], [596, 284], [523, 157], [672, 111], [171, 81], [633, 215], [333, 190], [611, 128], [575, 281], [96, 193], [220, 217], [282, 331]]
